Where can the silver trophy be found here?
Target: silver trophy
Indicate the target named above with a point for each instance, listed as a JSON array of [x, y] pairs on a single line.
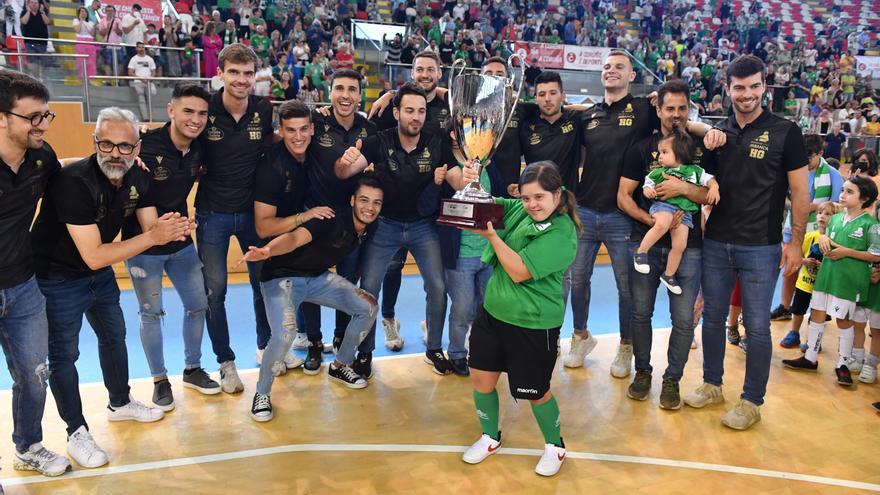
[[480, 107]]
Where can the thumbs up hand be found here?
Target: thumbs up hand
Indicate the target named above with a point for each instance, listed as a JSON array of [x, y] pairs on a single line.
[[440, 174]]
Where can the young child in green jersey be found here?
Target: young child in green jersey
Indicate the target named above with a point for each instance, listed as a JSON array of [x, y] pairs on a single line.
[[868, 314], [849, 246], [806, 277], [676, 151]]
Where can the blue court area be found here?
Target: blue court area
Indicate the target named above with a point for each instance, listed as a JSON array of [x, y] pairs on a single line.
[[410, 311]]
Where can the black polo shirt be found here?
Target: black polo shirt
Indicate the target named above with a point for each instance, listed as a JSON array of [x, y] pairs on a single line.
[[332, 240], [405, 176], [608, 131], [232, 152], [436, 117], [641, 159], [172, 175], [80, 194], [19, 194], [282, 181], [559, 141], [751, 172], [508, 155], [328, 144]]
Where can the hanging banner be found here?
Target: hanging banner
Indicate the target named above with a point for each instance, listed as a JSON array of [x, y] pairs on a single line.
[[549, 56], [585, 57], [868, 66], [570, 57]]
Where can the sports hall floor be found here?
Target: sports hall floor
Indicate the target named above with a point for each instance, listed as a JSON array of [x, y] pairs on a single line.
[[406, 431]]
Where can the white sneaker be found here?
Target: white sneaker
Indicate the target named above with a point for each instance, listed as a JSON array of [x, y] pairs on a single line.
[[551, 461], [229, 380], [580, 347], [868, 374], [41, 459], [854, 365], [622, 364], [393, 341], [424, 326], [291, 361], [83, 449], [481, 449], [135, 411], [300, 342], [704, 395]]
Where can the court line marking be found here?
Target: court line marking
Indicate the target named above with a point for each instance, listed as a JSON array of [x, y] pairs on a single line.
[[296, 448]]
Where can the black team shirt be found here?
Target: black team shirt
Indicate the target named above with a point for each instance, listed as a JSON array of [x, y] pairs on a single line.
[[507, 156], [405, 176], [436, 117], [751, 172], [328, 144], [80, 194], [19, 194], [172, 175], [282, 182], [608, 132], [559, 142], [233, 151], [332, 240], [641, 159]]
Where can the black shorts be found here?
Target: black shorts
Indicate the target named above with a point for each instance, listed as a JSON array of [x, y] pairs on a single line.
[[527, 355], [800, 303]]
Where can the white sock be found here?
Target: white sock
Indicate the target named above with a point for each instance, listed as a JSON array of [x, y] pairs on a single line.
[[814, 341], [845, 345], [872, 360], [858, 353]]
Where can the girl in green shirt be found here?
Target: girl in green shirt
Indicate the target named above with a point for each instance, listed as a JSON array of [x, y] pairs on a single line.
[[517, 329]]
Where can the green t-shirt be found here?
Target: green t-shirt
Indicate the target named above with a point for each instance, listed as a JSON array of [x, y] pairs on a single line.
[[547, 249], [260, 45], [849, 278], [790, 107], [473, 245], [314, 71], [688, 173], [253, 22], [873, 300]]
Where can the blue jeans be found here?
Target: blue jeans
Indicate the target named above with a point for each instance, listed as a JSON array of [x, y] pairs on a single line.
[[466, 286], [681, 308], [391, 283], [24, 337], [213, 233], [613, 230], [420, 238], [283, 297], [185, 271], [96, 296], [308, 318], [757, 268]]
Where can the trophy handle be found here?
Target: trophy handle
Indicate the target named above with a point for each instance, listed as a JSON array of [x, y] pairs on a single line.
[[461, 65], [511, 79]]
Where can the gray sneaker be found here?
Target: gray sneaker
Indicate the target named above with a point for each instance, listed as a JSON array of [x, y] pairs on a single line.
[[669, 396], [704, 395], [742, 416], [41, 459], [162, 396], [640, 387], [199, 379]]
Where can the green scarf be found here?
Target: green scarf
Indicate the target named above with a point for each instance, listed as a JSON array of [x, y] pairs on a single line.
[[821, 190]]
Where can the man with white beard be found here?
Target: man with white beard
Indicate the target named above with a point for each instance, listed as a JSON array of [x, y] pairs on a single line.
[[82, 212]]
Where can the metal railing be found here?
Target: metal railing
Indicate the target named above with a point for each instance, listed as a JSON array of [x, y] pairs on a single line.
[[147, 88]]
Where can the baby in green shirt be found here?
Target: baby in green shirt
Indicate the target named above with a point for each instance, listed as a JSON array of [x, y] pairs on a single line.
[[675, 149]]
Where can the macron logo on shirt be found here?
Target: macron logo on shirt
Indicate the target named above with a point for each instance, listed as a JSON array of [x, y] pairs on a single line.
[[541, 227]]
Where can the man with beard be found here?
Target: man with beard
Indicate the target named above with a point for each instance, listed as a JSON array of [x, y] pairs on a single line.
[[336, 128], [174, 156], [672, 109], [27, 163], [764, 159], [83, 211], [406, 160], [298, 271], [239, 127]]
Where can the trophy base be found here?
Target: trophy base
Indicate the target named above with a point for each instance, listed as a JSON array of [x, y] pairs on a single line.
[[470, 214]]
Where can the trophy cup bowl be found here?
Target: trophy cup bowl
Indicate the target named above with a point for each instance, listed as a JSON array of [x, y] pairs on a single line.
[[480, 107]]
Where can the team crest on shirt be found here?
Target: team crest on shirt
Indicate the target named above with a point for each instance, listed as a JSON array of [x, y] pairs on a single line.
[[256, 119], [424, 162], [629, 108], [535, 138], [160, 173], [763, 138], [362, 134], [592, 124], [39, 164], [857, 234], [655, 163], [214, 133], [131, 202], [758, 148], [326, 141]]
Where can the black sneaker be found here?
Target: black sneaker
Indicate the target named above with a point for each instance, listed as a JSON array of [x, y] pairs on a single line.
[[363, 365], [801, 363], [460, 367], [337, 343], [314, 358], [199, 379], [669, 396], [671, 284], [640, 387], [261, 410], [733, 336], [162, 396], [346, 376], [844, 377], [780, 313], [437, 360]]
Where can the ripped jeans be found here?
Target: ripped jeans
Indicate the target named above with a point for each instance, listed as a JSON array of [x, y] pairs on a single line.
[[24, 336], [284, 295], [185, 271]]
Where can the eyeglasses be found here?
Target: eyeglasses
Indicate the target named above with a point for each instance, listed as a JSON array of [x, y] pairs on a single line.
[[37, 118], [124, 148]]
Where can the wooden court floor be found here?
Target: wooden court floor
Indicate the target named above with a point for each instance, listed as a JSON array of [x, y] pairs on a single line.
[[406, 431]]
